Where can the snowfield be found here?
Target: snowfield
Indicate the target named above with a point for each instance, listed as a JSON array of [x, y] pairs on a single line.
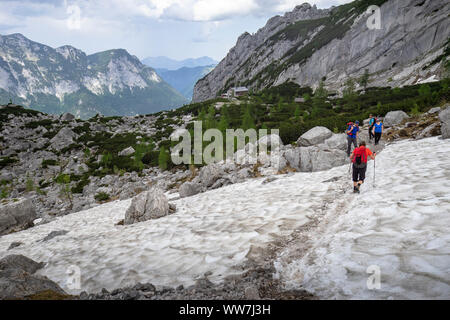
[[402, 226]]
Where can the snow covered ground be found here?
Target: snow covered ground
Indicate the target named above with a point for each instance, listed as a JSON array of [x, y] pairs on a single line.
[[402, 226]]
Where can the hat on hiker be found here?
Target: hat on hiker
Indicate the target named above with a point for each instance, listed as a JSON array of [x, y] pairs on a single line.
[[356, 122]]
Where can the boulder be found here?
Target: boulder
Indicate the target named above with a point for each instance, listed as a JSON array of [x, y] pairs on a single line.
[[394, 118], [16, 216], [67, 117], [127, 152], [314, 136], [434, 110], [444, 116], [152, 204], [17, 261], [210, 174], [65, 137], [309, 159], [337, 141], [188, 189], [17, 279], [325, 159]]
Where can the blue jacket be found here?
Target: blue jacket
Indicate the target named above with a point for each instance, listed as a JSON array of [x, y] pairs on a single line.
[[352, 133]]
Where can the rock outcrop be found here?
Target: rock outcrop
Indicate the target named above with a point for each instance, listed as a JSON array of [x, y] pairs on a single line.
[[16, 216], [152, 204], [64, 138], [18, 281], [444, 116], [308, 44]]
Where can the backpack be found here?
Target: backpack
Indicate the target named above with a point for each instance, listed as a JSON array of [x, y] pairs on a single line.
[[360, 158]]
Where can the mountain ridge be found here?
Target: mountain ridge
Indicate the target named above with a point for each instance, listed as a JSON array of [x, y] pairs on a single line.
[[308, 45], [162, 62], [65, 79]]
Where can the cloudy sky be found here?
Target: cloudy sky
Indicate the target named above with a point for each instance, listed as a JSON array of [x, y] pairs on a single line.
[[178, 29]]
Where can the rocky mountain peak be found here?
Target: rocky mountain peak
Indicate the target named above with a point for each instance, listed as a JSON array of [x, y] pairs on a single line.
[[310, 44]]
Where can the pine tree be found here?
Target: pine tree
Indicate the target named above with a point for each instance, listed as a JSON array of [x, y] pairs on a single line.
[[210, 118], [297, 113], [247, 120], [162, 158], [224, 120], [364, 80]]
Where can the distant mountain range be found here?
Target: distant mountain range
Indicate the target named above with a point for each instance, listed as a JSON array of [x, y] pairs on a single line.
[[184, 79], [170, 64], [65, 79], [182, 75]]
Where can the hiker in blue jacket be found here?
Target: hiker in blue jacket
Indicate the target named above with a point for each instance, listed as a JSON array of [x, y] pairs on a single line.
[[377, 130], [352, 136], [372, 121]]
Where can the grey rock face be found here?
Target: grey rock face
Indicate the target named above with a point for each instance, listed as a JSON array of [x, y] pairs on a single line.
[[17, 279], [16, 216], [314, 136], [418, 32], [444, 116], [393, 118], [148, 205], [127, 152], [64, 138]]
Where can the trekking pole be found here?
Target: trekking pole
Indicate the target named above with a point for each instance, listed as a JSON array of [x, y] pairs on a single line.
[[374, 172]]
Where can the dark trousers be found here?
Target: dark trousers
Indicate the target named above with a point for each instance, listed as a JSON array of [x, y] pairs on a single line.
[[359, 174], [351, 140], [377, 137], [370, 133]]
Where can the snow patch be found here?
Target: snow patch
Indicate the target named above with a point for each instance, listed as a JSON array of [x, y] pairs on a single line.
[[401, 226]]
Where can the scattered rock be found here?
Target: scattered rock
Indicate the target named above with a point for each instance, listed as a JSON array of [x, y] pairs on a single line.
[[269, 180], [127, 152], [152, 204], [14, 245], [54, 234]]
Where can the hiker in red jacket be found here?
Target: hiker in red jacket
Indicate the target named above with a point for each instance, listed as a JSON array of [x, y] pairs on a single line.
[[359, 159]]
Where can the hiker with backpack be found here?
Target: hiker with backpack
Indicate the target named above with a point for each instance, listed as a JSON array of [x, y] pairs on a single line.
[[377, 130], [359, 159], [372, 121], [352, 136]]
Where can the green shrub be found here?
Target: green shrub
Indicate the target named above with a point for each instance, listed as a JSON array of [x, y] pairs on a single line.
[[49, 162], [102, 196]]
